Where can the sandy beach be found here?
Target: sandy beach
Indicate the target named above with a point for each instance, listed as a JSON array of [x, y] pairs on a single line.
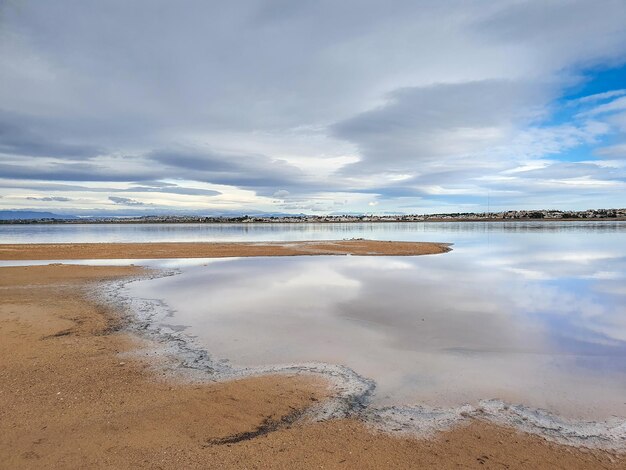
[[74, 392]]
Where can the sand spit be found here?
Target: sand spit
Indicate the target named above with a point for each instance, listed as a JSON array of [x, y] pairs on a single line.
[[74, 251], [79, 388]]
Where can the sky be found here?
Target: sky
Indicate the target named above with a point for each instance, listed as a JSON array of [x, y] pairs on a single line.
[[317, 107]]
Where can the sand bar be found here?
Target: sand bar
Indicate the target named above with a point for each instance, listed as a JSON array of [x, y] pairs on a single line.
[[71, 397], [69, 251]]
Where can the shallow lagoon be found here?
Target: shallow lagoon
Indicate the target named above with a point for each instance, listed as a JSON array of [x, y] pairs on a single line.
[[532, 314]]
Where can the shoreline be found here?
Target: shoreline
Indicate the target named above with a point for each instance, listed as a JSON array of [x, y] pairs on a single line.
[[353, 392], [50, 316]]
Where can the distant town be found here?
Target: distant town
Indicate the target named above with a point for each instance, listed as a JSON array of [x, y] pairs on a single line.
[[548, 215]]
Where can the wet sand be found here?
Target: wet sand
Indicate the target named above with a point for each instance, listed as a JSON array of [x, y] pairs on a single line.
[[73, 251], [71, 396]]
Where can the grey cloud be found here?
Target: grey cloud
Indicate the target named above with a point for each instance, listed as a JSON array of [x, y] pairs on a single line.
[[173, 190], [125, 201], [44, 186], [50, 199], [284, 65], [206, 162], [147, 187], [553, 33], [434, 122], [155, 184], [281, 194], [66, 171], [617, 151], [257, 172], [17, 137], [272, 74], [143, 172]]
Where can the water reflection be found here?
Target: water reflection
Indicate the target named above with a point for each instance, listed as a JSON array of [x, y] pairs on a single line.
[[536, 318], [418, 231]]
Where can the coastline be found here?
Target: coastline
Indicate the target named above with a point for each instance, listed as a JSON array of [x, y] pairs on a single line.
[[76, 392]]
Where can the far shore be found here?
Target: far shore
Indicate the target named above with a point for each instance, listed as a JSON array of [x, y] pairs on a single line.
[[123, 221], [76, 251]]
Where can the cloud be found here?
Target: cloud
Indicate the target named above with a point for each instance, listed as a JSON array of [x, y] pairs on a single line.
[[613, 151], [568, 170], [70, 171], [613, 106], [25, 136], [50, 199], [172, 189], [600, 96], [125, 201], [258, 172], [550, 35], [281, 194], [440, 121], [244, 100]]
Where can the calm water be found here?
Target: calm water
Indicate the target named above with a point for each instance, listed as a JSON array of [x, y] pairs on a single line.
[[529, 313], [419, 231]]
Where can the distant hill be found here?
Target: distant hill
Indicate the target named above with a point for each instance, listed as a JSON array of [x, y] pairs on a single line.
[[30, 215]]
